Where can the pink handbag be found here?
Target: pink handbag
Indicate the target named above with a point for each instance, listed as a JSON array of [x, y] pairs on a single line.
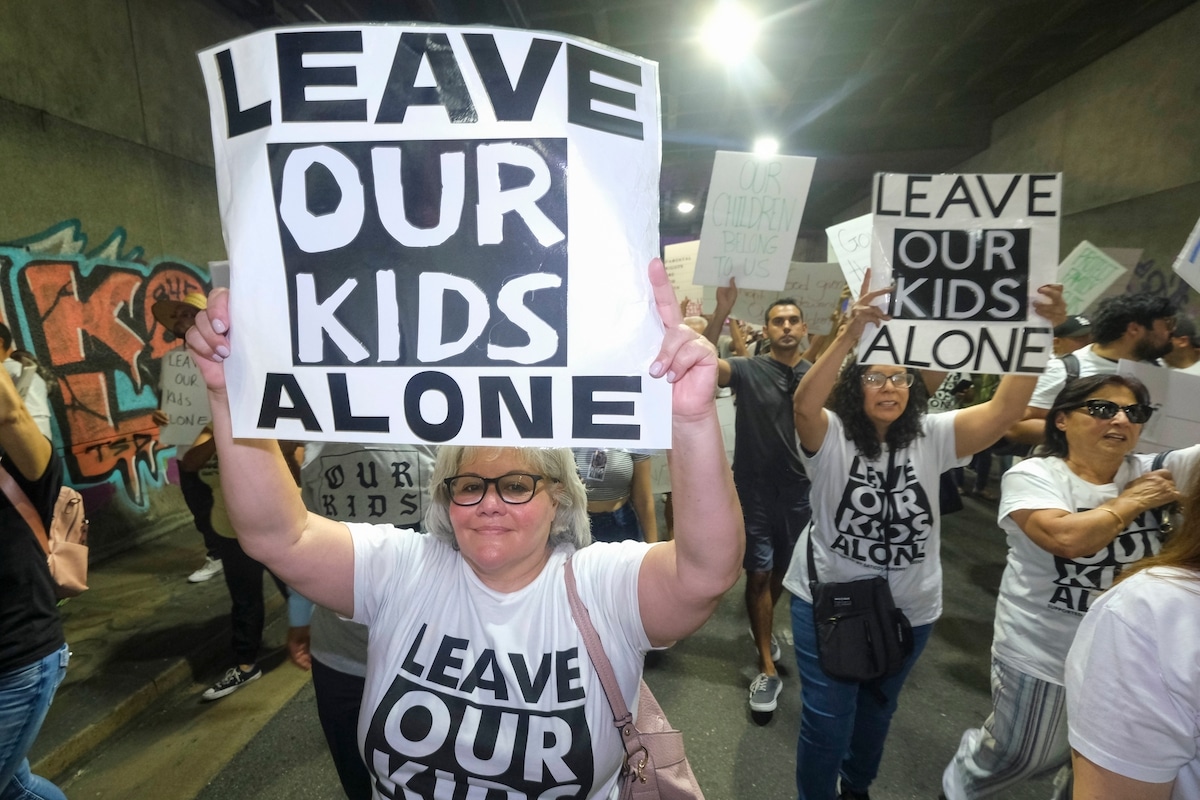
[[66, 543], [655, 768]]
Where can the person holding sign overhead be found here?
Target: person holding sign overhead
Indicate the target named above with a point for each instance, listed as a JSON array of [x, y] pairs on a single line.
[[477, 676], [874, 457]]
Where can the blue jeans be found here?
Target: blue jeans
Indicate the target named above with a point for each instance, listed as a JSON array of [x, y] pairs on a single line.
[[616, 526], [843, 725], [25, 696]]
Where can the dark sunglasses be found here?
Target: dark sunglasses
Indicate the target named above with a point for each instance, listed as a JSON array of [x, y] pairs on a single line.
[[1138, 413]]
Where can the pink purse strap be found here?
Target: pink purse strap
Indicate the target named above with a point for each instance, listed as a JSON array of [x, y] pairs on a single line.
[[622, 718], [20, 501]]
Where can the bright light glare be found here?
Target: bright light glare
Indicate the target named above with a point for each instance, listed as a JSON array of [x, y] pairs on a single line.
[[766, 146], [729, 33], [686, 207]]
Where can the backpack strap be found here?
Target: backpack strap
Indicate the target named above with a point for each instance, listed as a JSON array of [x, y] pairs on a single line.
[[20, 501], [1071, 364], [1160, 459]]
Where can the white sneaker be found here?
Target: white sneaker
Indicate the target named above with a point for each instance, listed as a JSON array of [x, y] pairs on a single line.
[[211, 567]]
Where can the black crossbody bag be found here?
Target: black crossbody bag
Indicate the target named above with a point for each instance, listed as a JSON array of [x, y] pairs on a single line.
[[861, 635]]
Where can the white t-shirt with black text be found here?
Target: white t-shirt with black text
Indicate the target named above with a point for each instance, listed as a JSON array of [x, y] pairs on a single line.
[[1043, 596], [849, 495], [470, 687]]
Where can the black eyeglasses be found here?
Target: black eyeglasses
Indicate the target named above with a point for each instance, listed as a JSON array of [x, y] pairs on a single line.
[[515, 488], [1138, 413], [901, 380]]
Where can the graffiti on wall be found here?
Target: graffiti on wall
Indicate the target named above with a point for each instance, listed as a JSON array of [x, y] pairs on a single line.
[[1148, 278], [85, 315]]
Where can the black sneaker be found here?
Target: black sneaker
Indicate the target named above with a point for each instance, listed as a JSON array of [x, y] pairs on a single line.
[[234, 679]]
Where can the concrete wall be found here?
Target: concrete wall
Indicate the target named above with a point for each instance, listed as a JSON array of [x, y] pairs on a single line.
[[107, 204], [1123, 133]]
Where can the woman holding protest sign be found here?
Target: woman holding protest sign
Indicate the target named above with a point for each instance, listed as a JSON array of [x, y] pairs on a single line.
[[874, 457], [1076, 513], [477, 675]]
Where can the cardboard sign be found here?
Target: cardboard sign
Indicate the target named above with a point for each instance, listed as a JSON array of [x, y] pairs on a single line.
[[680, 261], [184, 399], [1176, 423], [1187, 265], [816, 288], [1086, 275], [751, 219], [422, 222], [965, 255], [850, 244]]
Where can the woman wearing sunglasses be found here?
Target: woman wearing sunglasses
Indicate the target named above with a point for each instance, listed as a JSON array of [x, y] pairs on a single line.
[[1076, 514], [478, 681], [875, 460]]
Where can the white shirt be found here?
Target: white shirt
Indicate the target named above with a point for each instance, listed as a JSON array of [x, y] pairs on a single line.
[[467, 686], [1051, 382], [1133, 681], [848, 497], [1043, 596]]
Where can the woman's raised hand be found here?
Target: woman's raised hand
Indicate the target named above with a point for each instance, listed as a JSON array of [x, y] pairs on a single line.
[[687, 360], [864, 310], [208, 339]]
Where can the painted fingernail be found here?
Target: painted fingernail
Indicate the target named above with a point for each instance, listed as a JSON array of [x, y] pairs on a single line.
[[218, 325], [218, 357], [656, 369], [223, 351], [671, 376]]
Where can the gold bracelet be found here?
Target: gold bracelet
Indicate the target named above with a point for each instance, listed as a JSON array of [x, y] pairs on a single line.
[[1120, 519]]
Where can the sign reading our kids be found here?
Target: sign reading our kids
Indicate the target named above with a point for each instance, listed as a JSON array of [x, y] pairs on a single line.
[[965, 255], [424, 224]]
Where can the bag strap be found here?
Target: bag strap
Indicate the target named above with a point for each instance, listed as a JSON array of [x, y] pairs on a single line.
[[622, 718], [1071, 365], [20, 501], [1160, 459]]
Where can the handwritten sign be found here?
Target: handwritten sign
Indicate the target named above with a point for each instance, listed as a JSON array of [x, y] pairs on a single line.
[[816, 288], [850, 242], [184, 399], [1176, 423], [1086, 274], [680, 261], [965, 254], [751, 219], [395, 200], [1187, 265]]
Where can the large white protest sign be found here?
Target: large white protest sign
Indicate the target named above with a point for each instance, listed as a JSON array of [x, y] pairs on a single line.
[[816, 288], [966, 255], [1085, 276], [1187, 265], [422, 224], [184, 399], [1176, 422], [751, 219], [680, 261], [850, 242]]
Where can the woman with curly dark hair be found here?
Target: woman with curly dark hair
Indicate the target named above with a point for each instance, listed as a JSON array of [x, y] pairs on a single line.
[[874, 458]]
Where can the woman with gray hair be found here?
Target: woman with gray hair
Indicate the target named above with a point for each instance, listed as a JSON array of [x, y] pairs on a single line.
[[478, 680]]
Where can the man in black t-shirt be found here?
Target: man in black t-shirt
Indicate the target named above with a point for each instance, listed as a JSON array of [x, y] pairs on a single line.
[[33, 653], [771, 483]]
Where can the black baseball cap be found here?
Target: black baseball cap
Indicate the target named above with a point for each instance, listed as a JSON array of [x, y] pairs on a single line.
[[1076, 326]]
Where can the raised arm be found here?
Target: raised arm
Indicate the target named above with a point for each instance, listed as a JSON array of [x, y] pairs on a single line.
[[681, 581], [726, 297], [313, 554], [808, 403], [982, 425], [23, 445]]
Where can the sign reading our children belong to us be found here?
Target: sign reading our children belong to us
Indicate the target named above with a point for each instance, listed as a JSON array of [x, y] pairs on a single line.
[[421, 223], [965, 255]]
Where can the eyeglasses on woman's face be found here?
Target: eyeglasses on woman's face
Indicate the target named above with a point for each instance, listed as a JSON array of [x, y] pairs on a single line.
[[901, 380], [1138, 413], [514, 488]]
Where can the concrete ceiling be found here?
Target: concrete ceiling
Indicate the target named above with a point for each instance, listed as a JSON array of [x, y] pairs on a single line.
[[863, 85]]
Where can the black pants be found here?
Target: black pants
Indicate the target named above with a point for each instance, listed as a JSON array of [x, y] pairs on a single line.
[[198, 497], [339, 698], [244, 579]]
